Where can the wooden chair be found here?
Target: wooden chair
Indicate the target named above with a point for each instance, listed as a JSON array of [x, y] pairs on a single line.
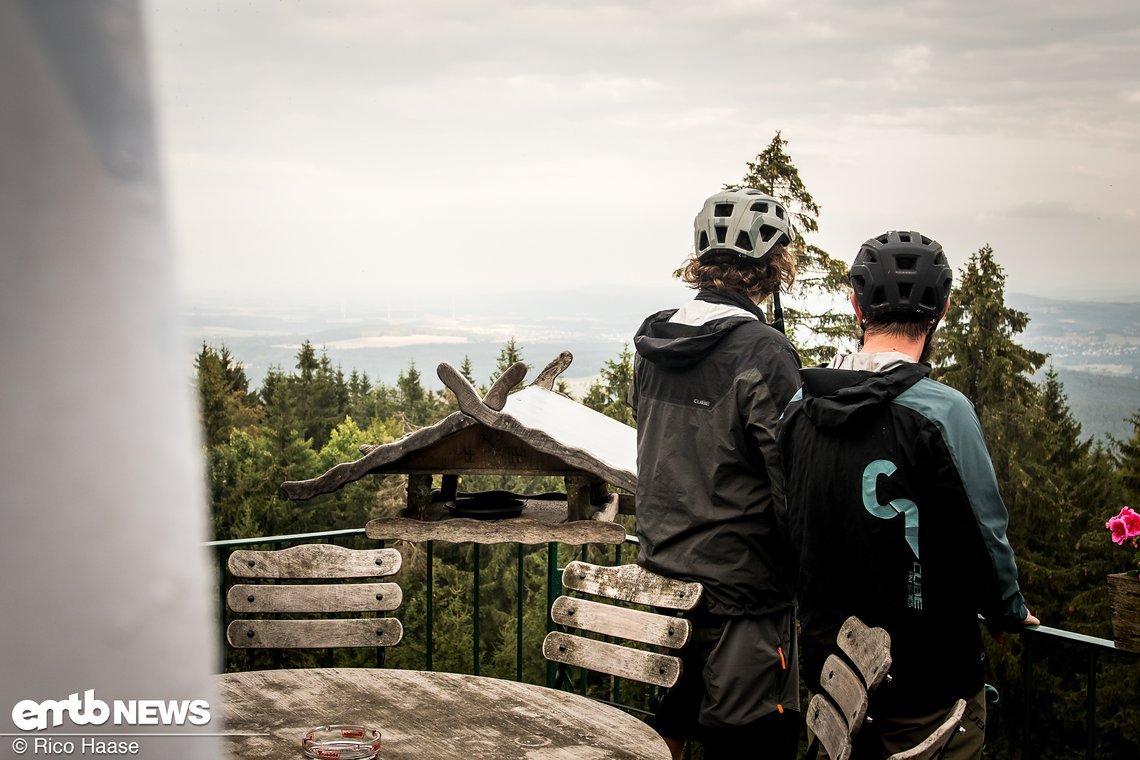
[[314, 561], [837, 714], [624, 585]]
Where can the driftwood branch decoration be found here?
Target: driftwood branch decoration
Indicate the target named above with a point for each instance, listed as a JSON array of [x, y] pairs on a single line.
[[551, 372], [467, 397], [496, 397]]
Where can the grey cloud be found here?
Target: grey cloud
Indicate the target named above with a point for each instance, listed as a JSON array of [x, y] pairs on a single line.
[[389, 98], [1046, 210]]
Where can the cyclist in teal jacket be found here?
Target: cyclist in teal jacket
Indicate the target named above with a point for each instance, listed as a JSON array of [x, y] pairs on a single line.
[[894, 505]]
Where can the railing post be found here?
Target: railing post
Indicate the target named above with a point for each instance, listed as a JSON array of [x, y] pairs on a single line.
[[615, 682], [475, 601], [1090, 707], [519, 593], [380, 650], [429, 634], [220, 553], [583, 672], [552, 581], [1027, 707]]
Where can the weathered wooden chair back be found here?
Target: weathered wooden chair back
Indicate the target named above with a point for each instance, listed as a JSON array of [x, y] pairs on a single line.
[[836, 715], [321, 562], [625, 584]]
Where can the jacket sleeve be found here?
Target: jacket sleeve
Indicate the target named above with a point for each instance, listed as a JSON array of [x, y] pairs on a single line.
[[632, 395], [1002, 603], [767, 393]]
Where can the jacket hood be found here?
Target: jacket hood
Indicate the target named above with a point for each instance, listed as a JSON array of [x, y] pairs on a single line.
[[679, 338], [834, 397]]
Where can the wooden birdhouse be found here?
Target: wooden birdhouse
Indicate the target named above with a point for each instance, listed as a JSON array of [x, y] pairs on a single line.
[[534, 431]]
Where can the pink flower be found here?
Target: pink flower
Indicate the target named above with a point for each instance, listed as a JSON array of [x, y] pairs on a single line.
[[1119, 529], [1124, 526], [1131, 522]]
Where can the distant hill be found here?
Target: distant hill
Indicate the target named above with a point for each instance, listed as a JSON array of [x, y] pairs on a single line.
[[1095, 347]]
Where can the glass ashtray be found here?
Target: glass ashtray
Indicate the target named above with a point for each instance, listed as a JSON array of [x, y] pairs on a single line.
[[342, 742]]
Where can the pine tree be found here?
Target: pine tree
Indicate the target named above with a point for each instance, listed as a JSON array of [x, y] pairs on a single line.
[[361, 401], [509, 354], [465, 369], [1056, 488], [816, 334], [978, 354], [609, 392], [1127, 455], [224, 400]]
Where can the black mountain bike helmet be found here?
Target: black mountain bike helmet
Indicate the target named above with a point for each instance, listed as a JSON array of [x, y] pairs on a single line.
[[901, 274]]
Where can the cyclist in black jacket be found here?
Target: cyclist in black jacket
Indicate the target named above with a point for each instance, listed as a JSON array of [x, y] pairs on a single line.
[[895, 508], [710, 380]]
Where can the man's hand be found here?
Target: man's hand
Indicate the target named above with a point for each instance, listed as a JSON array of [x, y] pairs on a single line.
[[1030, 619]]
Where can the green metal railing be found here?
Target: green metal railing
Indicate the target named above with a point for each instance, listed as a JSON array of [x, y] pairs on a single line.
[[1037, 643]]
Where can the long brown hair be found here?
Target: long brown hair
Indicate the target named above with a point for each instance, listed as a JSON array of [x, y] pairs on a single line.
[[727, 270]]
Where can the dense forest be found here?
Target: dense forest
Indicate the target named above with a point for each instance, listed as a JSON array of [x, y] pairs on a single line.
[[1059, 486]]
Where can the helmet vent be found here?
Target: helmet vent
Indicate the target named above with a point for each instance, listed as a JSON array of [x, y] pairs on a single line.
[[723, 209], [760, 207], [859, 281], [779, 212], [904, 289], [905, 263], [767, 231], [743, 241], [904, 236], [871, 257], [926, 240], [720, 233], [878, 295], [704, 240], [883, 238], [929, 298]]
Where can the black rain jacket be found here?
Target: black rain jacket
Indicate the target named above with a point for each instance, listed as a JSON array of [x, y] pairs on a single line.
[[895, 511], [707, 393]]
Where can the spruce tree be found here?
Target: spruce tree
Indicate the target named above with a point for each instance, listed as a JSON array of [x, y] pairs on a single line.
[[609, 392], [224, 400], [815, 332], [1056, 488], [509, 354], [1127, 455], [978, 352]]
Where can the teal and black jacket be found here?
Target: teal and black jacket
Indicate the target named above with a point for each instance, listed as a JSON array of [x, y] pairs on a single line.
[[895, 512]]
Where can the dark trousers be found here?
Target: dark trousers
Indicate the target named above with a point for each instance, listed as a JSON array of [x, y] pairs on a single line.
[[773, 736]]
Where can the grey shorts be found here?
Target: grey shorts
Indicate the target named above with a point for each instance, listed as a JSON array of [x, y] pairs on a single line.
[[735, 671]]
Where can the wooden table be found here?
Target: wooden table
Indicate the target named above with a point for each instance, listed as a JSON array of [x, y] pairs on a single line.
[[427, 716]]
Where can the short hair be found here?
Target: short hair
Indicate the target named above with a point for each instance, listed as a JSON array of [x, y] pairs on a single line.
[[910, 327], [728, 270]]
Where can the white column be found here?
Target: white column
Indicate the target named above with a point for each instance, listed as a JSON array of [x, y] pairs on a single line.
[[105, 585]]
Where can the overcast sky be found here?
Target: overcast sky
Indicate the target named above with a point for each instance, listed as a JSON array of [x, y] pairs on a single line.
[[427, 146]]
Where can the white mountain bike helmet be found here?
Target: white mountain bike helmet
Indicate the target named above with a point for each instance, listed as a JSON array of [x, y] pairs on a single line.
[[745, 221]]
